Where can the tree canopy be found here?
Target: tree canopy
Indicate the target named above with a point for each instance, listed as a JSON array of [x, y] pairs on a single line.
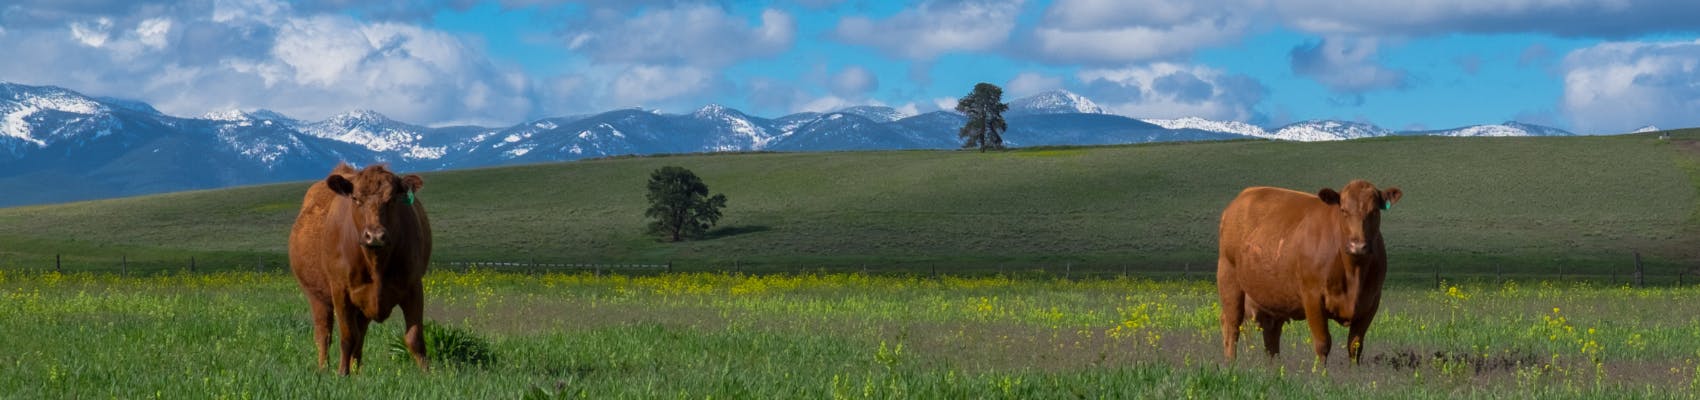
[[984, 108], [680, 205]]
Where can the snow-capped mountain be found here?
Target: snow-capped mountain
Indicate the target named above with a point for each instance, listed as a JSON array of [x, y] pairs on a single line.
[[1053, 102], [1320, 130], [880, 114], [1196, 123], [122, 147], [1645, 129], [1510, 128]]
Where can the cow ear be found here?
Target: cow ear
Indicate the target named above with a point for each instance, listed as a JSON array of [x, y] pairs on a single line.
[[340, 185], [413, 182], [1390, 196], [1329, 196]]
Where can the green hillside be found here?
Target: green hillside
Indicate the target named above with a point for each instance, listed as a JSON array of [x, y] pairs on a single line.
[[1470, 205]]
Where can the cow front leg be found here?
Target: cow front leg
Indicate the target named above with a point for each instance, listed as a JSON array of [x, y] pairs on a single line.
[[321, 315], [1271, 334], [1355, 337], [413, 310], [1318, 328], [352, 325]]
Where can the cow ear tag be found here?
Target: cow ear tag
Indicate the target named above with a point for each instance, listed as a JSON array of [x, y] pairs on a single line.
[[1384, 205], [410, 197]]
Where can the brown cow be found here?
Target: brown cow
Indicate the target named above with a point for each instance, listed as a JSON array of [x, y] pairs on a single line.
[[359, 249], [1288, 255]]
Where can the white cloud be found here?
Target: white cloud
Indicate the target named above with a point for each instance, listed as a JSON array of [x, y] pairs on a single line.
[[92, 33], [1346, 65], [1585, 18], [1121, 31], [945, 103], [152, 32], [1031, 83], [691, 34], [934, 28], [1168, 90], [1616, 87], [645, 85], [854, 81]]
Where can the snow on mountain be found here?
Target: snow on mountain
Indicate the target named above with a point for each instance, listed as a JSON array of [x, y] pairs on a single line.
[[1645, 129], [1321, 130], [1054, 102], [739, 131], [374, 131], [22, 108], [1507, 129], [1234, 127], [880, 114]]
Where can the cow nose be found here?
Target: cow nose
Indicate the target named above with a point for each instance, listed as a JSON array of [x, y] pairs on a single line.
[[372, 237], [1357, 247]]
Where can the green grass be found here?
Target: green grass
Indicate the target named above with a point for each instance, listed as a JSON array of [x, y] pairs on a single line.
[[1472, 206], [246, 335]]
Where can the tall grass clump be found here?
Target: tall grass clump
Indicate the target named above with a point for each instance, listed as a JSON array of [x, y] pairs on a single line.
[[446, 344]]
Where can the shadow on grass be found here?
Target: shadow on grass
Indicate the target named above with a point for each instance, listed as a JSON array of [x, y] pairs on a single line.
[[730, 231]]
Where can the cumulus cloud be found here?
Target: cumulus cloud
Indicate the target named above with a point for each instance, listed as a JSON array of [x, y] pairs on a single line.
[[1345, 65], [692, 34], [650, 86], [1168, 90], [196, 57], [934, 27], [1031, 83], [1121, 31], [854, 82], [1571, 18], [1617, 87]]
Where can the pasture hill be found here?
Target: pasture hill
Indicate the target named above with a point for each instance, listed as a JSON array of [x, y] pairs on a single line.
[[1472, 206]]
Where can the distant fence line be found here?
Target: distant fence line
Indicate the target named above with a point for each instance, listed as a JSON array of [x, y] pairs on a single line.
[[1631, 273]]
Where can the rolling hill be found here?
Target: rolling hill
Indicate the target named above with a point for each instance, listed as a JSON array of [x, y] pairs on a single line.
[[1471, 204]]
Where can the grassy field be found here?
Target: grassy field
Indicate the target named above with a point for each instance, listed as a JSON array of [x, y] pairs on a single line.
[[700, 335], [1472, 206]]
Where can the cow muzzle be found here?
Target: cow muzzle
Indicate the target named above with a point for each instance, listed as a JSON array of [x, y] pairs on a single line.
[[1357, 247], [372, 237]]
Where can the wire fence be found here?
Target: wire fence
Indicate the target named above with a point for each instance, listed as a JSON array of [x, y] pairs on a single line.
[[1631, 272]]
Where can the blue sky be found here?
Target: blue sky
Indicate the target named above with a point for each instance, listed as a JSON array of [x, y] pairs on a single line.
[[1592, 66]]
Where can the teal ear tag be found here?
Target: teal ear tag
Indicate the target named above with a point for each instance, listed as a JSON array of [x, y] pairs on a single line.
[[410, 197], [1384, 205]]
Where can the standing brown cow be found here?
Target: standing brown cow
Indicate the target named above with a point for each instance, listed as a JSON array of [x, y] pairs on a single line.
[[1288, 255], [359, 249]]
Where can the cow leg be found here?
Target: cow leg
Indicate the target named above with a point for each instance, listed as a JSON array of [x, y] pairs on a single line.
[[1318, 327], [352, 325], [413, 309], [1355, 336], [1271, 334], [321, 315], [361, 326], [1233, 307]]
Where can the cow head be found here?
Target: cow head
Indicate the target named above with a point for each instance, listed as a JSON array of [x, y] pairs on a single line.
[[381, 199], [1360, 205]]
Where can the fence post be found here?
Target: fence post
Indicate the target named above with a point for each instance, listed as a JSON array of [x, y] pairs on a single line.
[[1437, 284], [124, 260], [191, 263], [1497, 274], [259, 265], [1640, 279], [56, 266], [669, 266]]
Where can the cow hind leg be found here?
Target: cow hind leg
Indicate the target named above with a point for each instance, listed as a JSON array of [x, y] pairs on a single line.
[[413, 310], [1233, 307], [321, 314]]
